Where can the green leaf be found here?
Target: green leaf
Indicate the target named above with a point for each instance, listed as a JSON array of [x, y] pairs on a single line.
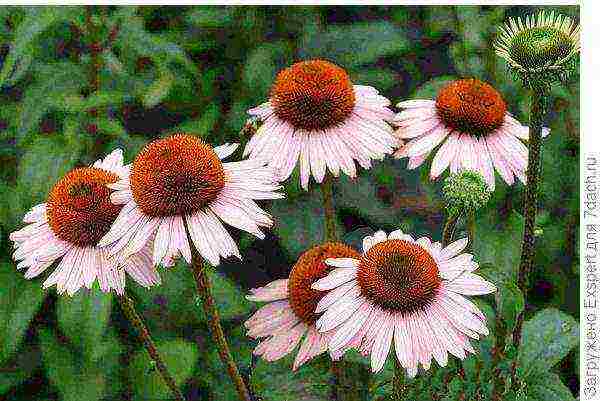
[[509, 298], [158, 90], [19, 301], [510, 302], [132, 35], [36, 22], [430, 89], [110, 127], [19, 369], [547, 338], [498, 243], [547, 387], [204, 125], [43, 163], [276, 381], [78, 380], [301, 222], [263, 64], [210, 16], [174, 304], [382, 79], [57, 87], [179, 356], [356, 44], [84, 317]]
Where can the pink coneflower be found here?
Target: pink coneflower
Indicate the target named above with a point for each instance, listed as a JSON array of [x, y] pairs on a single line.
[[406, 292], [290, 313], [178, 181], [317, 115], [470, 120], [69, 225]]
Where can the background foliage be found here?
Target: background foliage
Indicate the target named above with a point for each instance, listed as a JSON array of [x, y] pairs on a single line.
[[76, 82]]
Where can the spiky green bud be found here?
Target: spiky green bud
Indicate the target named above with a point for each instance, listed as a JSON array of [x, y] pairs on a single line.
[[465, 192]]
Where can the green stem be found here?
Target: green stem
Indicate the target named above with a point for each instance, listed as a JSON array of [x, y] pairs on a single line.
[[128, 307], [449, 227], [200, 268], [331, 236], [471, 228], [398, 381], [329, 209], [530, 203]]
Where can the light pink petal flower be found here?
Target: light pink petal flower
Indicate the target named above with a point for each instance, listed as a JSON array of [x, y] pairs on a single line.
[[360, 314]]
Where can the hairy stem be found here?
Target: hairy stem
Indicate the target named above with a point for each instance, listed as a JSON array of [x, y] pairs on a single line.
[[128, 307], [449, 227], [199, 267], [530, 204]]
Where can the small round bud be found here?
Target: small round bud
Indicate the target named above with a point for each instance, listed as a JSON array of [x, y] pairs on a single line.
[[538, 232], [465, 192], [541, 49]]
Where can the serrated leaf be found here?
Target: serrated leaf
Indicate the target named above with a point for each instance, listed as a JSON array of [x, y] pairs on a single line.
[[19, 301], [179, 356], [547, 338], [356, 44], [84, 317]]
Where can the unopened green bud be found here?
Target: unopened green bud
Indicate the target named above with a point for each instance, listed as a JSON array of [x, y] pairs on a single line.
[[465, 192]]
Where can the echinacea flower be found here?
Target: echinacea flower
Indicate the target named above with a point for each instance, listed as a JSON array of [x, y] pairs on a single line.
[[317, 115], [69, 225], [406, 292], [544, 45], [290, 314], [180, 181], [469, 119]]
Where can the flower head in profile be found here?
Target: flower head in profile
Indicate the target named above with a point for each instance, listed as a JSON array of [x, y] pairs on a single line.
[[290, 314], [541, 47], [315, 114], [68, 227], [405, 292], [469, 119], [179, 182]]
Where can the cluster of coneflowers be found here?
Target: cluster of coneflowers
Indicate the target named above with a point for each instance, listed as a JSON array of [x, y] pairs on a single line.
[[111, 219]]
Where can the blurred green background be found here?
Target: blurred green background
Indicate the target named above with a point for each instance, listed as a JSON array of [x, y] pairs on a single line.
[[75, 82]]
